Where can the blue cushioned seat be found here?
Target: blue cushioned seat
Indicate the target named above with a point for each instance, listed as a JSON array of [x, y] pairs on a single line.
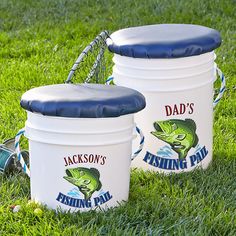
[[83, 100], [164, 41]]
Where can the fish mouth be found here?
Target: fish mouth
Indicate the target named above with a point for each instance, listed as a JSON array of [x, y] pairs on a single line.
[[158, 128], [68, 173]]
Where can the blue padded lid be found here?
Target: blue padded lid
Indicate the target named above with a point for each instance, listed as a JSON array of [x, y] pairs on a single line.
[[164, 41], [83, 100]]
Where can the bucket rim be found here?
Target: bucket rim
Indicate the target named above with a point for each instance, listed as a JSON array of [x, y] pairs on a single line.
[[29, 126], [212, 59], [79, 118], [124, 140]]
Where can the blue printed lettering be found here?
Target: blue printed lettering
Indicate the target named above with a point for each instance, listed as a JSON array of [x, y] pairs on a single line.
[[165, 163], [198, 157], [73, 202], [175, 164], [102, 198], [82, 203]]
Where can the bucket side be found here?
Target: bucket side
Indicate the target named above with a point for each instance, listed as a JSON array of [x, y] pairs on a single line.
[[177, 121], [163, 64], [51, 163], [174, 122], [79, 131], [165, 85], [164, 75]]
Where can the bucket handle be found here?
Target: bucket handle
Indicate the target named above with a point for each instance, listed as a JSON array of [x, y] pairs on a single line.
[[141, 143], [25, 167], [109, 80], [18, 152], [222, 87]]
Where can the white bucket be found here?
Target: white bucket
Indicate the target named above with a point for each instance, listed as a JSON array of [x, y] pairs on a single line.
[[97, 148], [178, 118], [80, 144], [94, 151]]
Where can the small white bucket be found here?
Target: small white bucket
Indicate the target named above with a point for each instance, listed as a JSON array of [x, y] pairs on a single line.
[[78, 164], [178, 92]]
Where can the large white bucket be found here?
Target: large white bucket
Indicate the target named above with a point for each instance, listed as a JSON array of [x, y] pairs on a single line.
[[100, 147], [79, 163], [177, 120]]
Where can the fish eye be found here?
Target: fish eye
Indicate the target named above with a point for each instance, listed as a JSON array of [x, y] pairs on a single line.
[[181, 136], [87, 181]]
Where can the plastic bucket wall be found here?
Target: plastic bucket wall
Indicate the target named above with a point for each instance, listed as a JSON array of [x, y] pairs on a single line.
[[99, 151], [177, 120]]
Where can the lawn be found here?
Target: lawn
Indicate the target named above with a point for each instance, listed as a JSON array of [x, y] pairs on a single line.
[[40, 40]]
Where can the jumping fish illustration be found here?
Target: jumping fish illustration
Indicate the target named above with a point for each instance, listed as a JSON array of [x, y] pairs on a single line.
[[179, 134], [87, 180]]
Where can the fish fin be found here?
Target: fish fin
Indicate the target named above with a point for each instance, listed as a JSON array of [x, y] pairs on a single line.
[[87, 195], [191, 123], [183, 153], [95, 172], [99, 185], [195, 141]]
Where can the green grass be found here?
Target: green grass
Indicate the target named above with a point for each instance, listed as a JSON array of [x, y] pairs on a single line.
[[40, 40]]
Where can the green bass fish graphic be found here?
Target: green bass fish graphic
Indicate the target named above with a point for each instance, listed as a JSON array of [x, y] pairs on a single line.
[[179, 134], [87, 180]]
